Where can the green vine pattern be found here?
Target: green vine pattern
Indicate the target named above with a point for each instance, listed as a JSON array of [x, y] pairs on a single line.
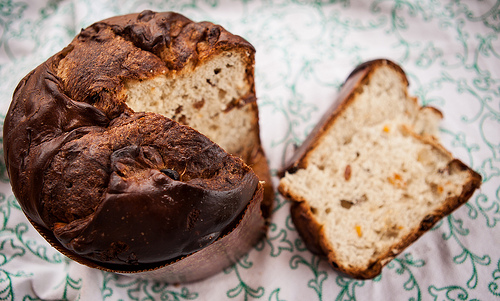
[[449, 293], [450, 50], [69, 285], [275, 295], [315, 283], [348, 288], [142, 290], [404, 265], [456, 231], [494, 285], [242, 287], [277, 240]]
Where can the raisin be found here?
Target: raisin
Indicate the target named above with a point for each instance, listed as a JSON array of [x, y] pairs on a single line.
[[347, 172]]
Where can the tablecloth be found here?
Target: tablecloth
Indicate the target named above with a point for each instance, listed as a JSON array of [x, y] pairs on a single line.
[[450, 50]]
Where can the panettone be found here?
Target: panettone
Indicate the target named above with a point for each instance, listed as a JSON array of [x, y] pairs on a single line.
[[136, 148]]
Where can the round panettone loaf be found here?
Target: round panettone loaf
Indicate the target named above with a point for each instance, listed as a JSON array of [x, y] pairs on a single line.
[[136, 148]]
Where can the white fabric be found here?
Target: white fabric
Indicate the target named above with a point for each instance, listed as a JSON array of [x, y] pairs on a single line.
[[305, 49]]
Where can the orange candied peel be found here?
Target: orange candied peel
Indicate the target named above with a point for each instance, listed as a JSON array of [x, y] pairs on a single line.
[[358, 230], [397, 180]]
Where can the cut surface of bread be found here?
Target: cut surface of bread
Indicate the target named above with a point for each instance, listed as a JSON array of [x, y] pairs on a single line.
[[373, 178], [210, 98]]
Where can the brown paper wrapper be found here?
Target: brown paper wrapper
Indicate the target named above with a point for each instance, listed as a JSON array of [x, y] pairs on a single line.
[[221, 254]]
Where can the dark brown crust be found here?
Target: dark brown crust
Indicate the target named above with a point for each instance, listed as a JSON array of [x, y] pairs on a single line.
[[435, 110], [305, 222], [75, 152], [225, 251]]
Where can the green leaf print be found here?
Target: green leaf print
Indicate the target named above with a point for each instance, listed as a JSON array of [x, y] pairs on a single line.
[[143, 289], [403, 265], [494, 285], [39, 248], [455, 228], [10, 11], [6, 286], [278, 241], [5, 210], [71, 287], [489, 209], [274, 296], [348, 288], [316, 283], [449, 293], [9, 250], [242, 287]]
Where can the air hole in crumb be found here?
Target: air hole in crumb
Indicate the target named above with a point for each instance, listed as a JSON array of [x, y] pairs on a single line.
[[229, 66], [362, 199], [199, 104], [210, 82], [217, 71], [222, 93], [314, 210], [178, 110], [444, 170], [182, 120], [328, 210], [391, 232]]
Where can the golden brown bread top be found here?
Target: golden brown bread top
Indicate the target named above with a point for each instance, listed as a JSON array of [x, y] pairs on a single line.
[[81, 162], [138, 46]]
